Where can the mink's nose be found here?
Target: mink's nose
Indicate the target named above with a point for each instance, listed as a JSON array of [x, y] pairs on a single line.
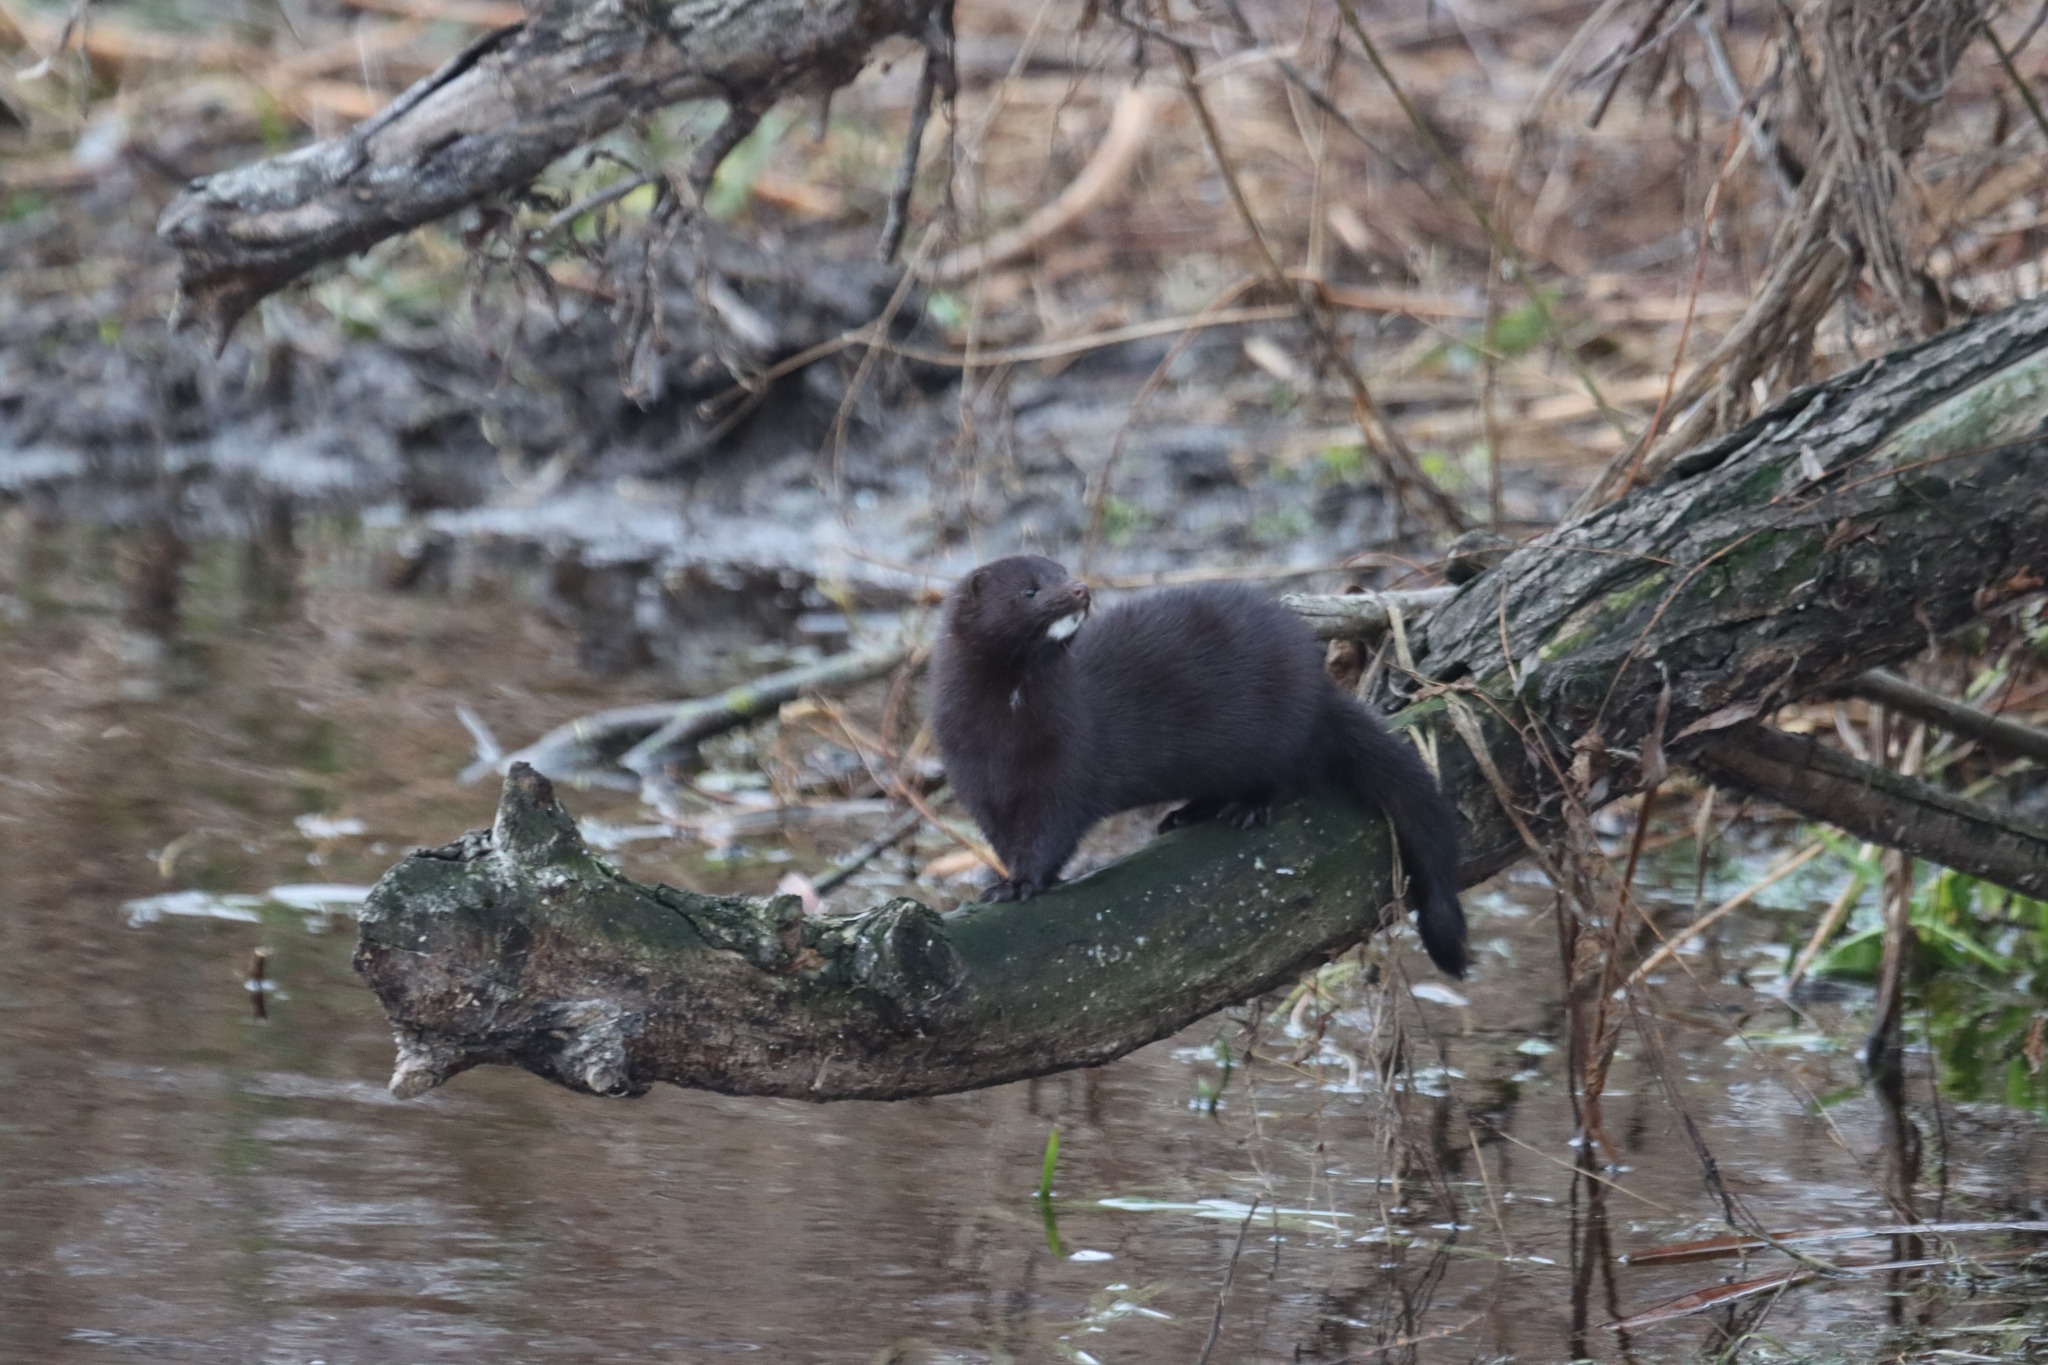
[[1079, 591]]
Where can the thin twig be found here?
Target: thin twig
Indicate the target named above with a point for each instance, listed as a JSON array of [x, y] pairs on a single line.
[[1851, 891], [692, 721], [1229, 1274], [1503, 243], [1320, 97], [1398, 464], [892, 834], [2012, 74], [937, 58], [1098, 494], [1735, 902], [610, 194], [1129, 127]]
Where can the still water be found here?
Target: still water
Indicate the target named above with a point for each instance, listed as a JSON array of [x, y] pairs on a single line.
[[182, 1180]]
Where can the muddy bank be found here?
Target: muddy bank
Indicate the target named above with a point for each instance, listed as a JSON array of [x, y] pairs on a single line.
[[848, 484]]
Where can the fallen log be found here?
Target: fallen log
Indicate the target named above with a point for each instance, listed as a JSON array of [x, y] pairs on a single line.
[[1833, 534]]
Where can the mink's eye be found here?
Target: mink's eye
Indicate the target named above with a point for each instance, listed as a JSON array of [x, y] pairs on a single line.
[[1031, 591]]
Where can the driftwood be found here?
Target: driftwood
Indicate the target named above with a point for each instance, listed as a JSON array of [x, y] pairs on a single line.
[[491, 119], [1832, 535], [642, 737]]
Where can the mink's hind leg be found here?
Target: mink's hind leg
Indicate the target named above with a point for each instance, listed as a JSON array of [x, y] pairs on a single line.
[[1007, 890], [1242, 814]]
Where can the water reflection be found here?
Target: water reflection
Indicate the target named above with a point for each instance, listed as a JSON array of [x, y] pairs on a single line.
[[180, 1180]]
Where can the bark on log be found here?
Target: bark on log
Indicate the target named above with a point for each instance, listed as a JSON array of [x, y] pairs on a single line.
[[1832, 535], [1837, 532], [494, 117]]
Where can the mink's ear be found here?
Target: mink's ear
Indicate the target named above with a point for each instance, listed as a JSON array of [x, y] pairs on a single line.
[[976, 581]]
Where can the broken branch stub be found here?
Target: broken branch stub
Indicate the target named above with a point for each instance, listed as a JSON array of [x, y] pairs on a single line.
[[1832, 535], [491, 119]]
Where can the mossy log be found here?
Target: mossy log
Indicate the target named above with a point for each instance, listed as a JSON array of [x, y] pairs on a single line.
[[1836, 533]]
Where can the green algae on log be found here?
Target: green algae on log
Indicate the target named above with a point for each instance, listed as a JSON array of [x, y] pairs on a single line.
[[1835, 533]]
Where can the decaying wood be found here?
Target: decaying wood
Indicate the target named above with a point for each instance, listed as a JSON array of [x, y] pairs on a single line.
[[1829, 536], [492, 118]]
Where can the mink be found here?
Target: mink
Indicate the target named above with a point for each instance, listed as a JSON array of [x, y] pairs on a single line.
[[1049, 719]]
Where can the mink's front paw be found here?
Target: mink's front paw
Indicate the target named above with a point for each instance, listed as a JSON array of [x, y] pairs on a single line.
[[1011, 891]]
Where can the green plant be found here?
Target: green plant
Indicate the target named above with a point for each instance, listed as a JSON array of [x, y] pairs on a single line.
[[946, 308], [1279, 526], [1978, 979], [1121, 520], [1052, 1160], [1340, 464], [1210, 1094], [1045, 1208], [1519, 330], [23, 204]]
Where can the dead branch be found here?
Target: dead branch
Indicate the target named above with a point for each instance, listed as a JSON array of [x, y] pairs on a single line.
[[1361, 615], [491, 119], [1958, 718], [1881, 69], [1879, 805], [642, 737]]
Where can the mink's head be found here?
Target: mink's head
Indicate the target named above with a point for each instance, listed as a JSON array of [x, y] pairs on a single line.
[[1010, 607]]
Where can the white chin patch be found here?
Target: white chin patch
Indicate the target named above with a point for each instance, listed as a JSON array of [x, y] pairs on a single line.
[[1065, 627]]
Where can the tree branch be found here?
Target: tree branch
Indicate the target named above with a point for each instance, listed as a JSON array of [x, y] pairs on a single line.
[[1362, 615], [493, 118], [1999, 736], [1879, 805]]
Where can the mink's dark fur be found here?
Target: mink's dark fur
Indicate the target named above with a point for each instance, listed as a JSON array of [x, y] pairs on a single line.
[[1213, 696]]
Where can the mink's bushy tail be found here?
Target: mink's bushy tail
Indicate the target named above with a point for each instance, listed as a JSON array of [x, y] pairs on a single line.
[[1385, 770]]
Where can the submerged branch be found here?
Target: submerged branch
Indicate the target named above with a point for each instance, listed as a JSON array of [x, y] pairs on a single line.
[[643, 736]]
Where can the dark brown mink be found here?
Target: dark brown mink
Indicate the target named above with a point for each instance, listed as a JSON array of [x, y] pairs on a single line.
[[1212, 696]]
